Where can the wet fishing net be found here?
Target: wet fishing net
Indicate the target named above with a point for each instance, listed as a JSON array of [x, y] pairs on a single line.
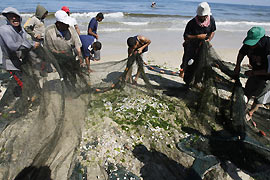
[[43, 109], [117, 74], [40, 129], [220, 107]]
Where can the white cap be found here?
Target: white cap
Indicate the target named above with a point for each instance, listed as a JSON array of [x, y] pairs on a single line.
[[62, 16], [204, 9]]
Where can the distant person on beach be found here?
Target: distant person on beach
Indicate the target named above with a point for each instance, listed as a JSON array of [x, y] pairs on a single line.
[[73, 22], [90, 50], [153, 5], [14, 45], [201, 28], [93, 25], [64, 43], [136, 44], [256, 46]]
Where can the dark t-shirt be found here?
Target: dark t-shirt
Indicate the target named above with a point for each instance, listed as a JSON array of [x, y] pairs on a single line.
[[86, 42], [262, 50], [192, 28], [93, 24]]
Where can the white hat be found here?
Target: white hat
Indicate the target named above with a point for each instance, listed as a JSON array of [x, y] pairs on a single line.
[[62, 16], [204, 9]]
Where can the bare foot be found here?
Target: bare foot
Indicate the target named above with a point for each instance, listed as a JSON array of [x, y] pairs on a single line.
[[181, 74], [248, 116], [134, 82]]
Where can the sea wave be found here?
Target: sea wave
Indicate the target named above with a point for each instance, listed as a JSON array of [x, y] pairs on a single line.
[[155, 15], [26, 14], [115, 29], [242, 23], [114, 15], [93, 14], [135, 23], [84, 14]]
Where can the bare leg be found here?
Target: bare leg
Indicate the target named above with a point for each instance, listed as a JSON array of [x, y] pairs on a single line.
[[137, 76], [129, 75], [254, 108], [88, 65]]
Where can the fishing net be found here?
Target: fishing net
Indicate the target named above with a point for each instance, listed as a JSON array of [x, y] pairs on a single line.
[[42, 127], [220, 103], [39, 126], [44, 106]]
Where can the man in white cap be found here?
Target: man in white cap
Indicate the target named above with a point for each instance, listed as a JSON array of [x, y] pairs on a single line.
[[201, 27], [63, 42], [13, 44]]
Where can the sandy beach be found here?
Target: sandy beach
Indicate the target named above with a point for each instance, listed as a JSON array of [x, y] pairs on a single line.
[[166, 47]]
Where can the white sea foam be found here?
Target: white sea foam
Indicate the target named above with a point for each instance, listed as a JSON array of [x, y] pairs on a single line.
[[114, 15], [135, 23], [85, 14], [114, 29], [243, 23], [27, 15], [93, 14], [175, 29]]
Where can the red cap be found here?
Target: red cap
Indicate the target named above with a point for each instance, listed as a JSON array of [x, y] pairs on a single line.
[[66, 9]]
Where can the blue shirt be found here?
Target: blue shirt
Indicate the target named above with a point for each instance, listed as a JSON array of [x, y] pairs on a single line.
[[93, 24], [87, 41]]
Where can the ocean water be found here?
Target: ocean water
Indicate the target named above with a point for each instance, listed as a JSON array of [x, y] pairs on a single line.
[[128, 15], [124, 17]]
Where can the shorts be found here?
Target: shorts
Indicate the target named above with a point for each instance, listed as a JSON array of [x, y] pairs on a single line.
[[259, 88]]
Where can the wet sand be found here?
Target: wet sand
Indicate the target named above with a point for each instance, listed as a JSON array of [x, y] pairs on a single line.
[[166, 47]]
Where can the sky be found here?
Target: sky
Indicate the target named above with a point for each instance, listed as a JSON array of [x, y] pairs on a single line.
[[246, 2]]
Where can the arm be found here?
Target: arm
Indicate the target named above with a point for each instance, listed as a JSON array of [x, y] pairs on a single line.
[[48, 42], [91, 27], [11, 42], [90, 32], [237, 68], [77, 29], [189, 32], [210, 36], [77, 43], [198, 36], [79, 54], [130, 51], [29, 27], [145, 41]]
